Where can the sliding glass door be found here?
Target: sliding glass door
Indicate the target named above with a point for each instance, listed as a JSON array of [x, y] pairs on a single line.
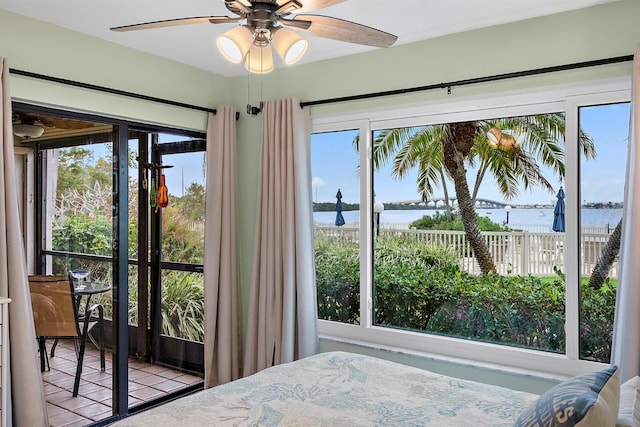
[[75, 235], [124, 203]]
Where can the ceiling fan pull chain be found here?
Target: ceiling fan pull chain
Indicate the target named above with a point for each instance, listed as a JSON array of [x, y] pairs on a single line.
[[261, 74], [249, 106], [252, 110]]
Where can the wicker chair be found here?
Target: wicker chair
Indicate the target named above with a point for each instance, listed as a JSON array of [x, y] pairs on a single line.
[[55, 314]]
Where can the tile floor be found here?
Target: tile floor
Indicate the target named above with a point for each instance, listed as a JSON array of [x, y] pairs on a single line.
[[93, 403]]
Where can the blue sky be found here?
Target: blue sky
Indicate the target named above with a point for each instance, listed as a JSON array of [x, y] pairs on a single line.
[[334, 165], [188, 168], [603, 178]]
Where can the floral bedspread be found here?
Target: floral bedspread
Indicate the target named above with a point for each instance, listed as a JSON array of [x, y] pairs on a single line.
[[342, 389]]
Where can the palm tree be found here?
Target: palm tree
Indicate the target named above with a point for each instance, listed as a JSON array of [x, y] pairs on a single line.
[[418, 146], [606, 258], [512, 157]]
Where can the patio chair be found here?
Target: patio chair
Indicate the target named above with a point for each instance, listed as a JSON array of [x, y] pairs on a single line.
[[56, 316]]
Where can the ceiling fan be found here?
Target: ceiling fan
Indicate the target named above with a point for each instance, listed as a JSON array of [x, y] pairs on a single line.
[[31, 125], [265, 22]]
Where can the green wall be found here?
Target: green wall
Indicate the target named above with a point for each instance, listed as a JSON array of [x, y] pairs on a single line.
[[592, 33]]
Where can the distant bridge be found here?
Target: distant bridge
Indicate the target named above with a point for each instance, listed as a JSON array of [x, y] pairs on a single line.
[[439, 202]]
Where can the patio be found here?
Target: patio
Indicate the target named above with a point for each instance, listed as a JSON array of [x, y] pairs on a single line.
[[146, 382]]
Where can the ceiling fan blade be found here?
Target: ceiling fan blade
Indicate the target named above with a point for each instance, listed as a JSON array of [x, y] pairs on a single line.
[[302, 25], [49, 122], [238, 6], [340, 29], [59, 122], [179, 21], [309, 5]]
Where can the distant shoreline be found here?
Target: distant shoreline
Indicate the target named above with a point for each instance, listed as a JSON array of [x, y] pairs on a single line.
[[323, 207], [530, 219]]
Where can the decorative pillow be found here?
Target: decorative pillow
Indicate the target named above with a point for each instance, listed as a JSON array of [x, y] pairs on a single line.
[[589, 400], [627, 414], [636, 409]]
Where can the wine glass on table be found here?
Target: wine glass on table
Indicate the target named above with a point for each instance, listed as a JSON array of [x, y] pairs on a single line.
[[79, 275]]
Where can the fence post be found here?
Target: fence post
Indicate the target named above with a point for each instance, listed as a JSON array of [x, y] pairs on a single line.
[[525, 253]]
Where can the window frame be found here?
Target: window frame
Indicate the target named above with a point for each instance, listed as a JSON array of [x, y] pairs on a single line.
[[565, 98]]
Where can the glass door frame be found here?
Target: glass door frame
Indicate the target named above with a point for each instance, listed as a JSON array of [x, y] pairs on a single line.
[[173, 351], [122, 334]]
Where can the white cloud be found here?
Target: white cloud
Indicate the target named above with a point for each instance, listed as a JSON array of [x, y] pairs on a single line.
[[317, 182]]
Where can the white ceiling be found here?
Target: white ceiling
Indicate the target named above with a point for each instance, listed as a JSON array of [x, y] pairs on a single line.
[[410, 20]]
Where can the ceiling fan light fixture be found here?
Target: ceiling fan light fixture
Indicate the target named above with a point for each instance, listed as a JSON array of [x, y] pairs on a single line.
[[27, 131], [289, 45], [259, 60], [235, 43]]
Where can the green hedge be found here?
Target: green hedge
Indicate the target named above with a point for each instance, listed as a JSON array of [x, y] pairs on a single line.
[[445, 221], [338, 281], [421, 288]]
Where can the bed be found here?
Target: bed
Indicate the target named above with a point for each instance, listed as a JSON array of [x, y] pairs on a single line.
[[345, 389]]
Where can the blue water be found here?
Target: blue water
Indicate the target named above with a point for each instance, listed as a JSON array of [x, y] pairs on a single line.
[[517, 217]]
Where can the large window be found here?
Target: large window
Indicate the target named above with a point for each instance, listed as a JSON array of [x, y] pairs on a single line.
[[457, 200], [336, 215], [478, 230], [602, 182]]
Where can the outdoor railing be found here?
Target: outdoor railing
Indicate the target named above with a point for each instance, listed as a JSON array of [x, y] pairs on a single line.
[[533, 228], [514, 252]]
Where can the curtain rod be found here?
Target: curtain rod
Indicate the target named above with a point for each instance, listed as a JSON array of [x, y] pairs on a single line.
[[495, 77], [110, 90]]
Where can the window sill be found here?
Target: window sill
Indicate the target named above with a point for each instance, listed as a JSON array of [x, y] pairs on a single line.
[[546, 366]]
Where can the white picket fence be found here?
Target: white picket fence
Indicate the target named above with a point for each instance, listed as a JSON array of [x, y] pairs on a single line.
[[515, 252]]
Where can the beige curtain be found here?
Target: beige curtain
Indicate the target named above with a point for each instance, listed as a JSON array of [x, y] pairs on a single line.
[[222, 339], [28, 407], [626, 336], [283, 313]]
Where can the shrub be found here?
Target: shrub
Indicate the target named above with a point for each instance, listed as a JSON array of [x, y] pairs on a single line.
[[421, 288], [183, 305], [397, 261], [338, 281], [596, 321], [180, 243], [83, 233], [519, 310], [403, 293], [453, 222]]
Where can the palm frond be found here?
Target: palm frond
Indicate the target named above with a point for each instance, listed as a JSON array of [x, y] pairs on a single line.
[[388, 142]]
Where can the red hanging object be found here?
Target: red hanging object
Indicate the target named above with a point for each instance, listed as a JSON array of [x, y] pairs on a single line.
[[163, 193]]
